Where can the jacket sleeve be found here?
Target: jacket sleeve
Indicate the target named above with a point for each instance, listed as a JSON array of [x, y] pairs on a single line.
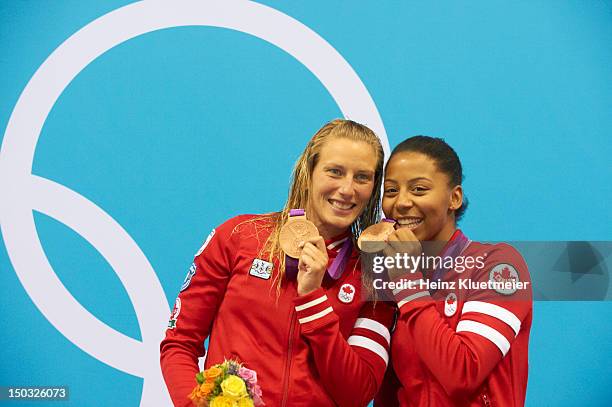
[[387, 394], [462, 358], [194, 311], [351, 370]]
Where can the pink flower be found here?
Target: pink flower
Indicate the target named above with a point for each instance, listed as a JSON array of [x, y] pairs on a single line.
[[257, 396], [248, 375]]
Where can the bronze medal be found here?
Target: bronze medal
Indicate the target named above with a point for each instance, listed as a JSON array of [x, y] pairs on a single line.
[[297, 230], [373, 239]]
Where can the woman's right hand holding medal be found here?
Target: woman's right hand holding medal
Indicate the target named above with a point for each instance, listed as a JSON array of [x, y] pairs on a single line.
[[312, 265], [401, 241]]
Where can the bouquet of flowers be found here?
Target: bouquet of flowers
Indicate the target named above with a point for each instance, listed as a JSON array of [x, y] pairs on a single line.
[[228, 384]]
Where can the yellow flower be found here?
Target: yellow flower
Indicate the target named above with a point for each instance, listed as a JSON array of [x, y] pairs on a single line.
[[206, 388], [245, 402], [213, 373], [222, 401], [234, 387]]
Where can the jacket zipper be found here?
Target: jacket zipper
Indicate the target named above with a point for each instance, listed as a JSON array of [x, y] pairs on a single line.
[[486, 401], [288, 360]]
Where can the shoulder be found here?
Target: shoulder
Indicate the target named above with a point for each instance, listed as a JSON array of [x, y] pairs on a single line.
[[502, 263], [497, 253], [244, 223], [236, 229]]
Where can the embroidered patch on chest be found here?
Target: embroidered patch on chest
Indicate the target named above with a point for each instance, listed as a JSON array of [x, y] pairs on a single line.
[[261, 269], [450, 305], [346, 293]]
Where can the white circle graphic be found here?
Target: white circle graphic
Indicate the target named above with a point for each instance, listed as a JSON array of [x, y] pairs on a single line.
[[23, 192]]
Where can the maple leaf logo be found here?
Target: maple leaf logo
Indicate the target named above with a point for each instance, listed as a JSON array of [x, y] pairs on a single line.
[[450, 300], [347, 289]]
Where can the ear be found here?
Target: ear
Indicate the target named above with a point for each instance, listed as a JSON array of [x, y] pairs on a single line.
[[456, 198]]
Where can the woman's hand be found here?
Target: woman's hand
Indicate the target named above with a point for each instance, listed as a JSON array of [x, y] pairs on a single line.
[[312, 265], [403, 242]]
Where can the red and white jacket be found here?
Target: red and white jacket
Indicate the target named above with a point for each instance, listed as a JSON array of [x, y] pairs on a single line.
[[326, 348], [463, 346]]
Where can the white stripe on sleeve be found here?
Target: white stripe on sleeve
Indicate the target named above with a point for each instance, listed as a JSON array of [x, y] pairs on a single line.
[[412, 297], [316, 316], [311, 303], [373, 326], [494, 311], [486, 331], [369, 344]]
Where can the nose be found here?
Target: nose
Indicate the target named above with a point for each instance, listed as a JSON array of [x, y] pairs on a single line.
[[404, 202], [346, 187]]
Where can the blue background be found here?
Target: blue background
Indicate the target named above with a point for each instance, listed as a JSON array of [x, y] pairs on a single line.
[[174, 131]]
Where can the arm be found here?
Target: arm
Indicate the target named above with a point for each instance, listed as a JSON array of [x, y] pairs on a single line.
[[462, 358], [351, 370], [194, 312], [387, 394]]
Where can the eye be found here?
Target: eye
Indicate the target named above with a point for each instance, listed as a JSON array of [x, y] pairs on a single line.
[[336, 172], [419, 189], [390, 191], [363, 178]]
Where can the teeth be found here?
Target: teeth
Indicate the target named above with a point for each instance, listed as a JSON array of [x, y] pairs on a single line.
[[411, 223], [340, 205]]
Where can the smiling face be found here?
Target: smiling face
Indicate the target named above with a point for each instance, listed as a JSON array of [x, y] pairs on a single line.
[[419, 196], [341, 184]]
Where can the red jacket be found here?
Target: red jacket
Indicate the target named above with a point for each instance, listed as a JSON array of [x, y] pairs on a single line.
[[315, 350], [463, 346]]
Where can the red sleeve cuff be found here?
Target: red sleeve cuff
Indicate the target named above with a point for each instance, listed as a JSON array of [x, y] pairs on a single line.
[[411, 293], [314, 310]]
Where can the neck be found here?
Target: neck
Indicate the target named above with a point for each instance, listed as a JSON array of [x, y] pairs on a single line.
[[328, 234], [446, 233], [435, 246]]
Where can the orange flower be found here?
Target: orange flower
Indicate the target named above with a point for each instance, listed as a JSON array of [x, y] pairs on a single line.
[[206, 388], [194, 394], [212, 373], [197, 398]]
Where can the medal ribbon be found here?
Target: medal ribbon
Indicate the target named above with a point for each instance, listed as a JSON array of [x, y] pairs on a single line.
[[337, 267]]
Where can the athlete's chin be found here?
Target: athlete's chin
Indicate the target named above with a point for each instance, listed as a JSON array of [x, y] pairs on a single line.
[[340, 223]]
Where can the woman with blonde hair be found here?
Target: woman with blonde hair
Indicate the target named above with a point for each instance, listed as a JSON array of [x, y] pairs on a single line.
[[300, 322]]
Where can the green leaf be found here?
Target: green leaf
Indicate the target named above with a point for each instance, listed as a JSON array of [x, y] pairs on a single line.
[[200, 378]]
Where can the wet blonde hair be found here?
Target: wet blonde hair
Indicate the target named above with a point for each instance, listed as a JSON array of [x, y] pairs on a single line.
[[302, 178]]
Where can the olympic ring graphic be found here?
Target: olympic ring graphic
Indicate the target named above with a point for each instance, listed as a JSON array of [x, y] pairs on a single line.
[[24, 192]]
